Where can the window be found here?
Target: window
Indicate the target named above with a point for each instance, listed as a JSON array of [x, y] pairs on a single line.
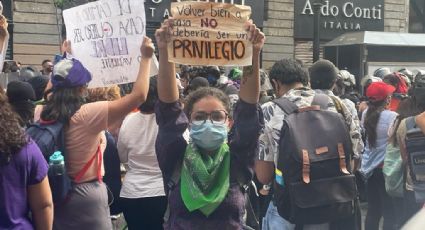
[[417, 16], [8, 13]]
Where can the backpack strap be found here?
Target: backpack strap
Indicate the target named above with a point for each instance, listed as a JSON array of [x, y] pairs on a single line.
[[86, 167], [321, 100], [171, 184], [342, 164], [306, 167], [175, 177], [286, 105], [338, 105]]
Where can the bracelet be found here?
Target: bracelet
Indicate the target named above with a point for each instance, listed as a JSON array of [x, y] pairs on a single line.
[[267, 187]]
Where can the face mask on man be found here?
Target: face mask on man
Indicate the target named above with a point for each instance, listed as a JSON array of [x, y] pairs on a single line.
[[208, 135]]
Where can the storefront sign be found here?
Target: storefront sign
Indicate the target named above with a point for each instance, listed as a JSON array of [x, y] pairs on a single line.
[[157, 10], [210, 34], [338, 17]]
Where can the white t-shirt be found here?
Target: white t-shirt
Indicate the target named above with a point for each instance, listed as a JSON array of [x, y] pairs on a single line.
[[136, 148]]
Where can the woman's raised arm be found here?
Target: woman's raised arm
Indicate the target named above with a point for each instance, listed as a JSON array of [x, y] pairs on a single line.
[[118, 109], [250, 84], [167, 83]]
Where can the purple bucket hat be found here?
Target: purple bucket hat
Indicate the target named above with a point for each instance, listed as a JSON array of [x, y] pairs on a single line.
[[69, 73]]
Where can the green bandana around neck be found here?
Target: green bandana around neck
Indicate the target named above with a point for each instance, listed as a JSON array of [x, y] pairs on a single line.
[[204, 179]]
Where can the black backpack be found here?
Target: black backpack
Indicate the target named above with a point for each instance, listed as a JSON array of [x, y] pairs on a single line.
[[49, 136], [314, 183], [415, 146]]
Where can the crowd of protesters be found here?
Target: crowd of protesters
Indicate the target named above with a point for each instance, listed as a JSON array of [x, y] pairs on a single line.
[[190, 142]]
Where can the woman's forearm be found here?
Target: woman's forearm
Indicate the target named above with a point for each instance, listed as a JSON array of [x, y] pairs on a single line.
[[167, 83], [41, 204], [141, 85], [250, 84], [43, 218]]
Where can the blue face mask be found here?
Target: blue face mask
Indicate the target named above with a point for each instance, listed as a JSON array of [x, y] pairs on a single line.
[[208, 136]]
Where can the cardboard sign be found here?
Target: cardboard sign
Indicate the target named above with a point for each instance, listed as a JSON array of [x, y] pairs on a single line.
[[106, 36], [207, 33]]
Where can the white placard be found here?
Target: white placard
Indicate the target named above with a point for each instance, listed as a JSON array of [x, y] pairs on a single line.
[[106, 36]]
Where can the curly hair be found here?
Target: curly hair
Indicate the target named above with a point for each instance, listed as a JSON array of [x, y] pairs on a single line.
[[289, 71], [12, 136], [104, 94]]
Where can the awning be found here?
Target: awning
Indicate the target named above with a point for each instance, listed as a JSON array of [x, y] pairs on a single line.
[[379, 39]]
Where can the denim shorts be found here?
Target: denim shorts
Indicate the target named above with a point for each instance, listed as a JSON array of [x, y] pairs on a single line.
[[273, 221]]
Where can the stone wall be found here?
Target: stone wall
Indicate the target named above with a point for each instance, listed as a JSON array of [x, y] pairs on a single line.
[[396, 15], [35, 32], [279, 31]]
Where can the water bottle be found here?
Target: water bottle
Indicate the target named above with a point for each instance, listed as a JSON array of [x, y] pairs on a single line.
[[58, 178], [56, 164]]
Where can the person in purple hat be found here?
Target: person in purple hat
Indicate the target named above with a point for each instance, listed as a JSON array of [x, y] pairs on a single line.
[[85, 142]]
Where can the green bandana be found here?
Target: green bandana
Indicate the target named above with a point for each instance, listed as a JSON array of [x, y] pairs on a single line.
[[204, 179]]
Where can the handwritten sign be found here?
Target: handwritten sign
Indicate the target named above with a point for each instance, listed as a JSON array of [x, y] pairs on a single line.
[[210, 34], [106, 36]]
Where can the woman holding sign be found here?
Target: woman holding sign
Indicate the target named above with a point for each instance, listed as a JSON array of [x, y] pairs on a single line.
[[205, 176], [87, 204]]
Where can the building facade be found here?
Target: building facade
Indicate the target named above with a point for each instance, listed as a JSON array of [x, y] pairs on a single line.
[[36, 24], [35, 30], [282, 42]]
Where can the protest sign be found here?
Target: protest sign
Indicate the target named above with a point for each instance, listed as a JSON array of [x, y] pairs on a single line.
[[106, 36], [207, 33]]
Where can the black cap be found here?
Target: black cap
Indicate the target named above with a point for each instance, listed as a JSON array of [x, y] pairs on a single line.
[[39, 84], [20, 91]]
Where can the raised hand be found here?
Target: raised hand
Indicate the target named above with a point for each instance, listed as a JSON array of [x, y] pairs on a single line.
[[66, 47], [147, 49], [163, 34], [3, 27], [255, 36]]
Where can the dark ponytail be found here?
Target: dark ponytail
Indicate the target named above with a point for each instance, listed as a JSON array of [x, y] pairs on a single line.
[[371, 121]]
